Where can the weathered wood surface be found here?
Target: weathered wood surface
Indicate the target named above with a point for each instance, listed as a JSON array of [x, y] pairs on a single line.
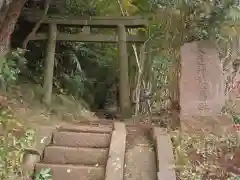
[[82, 37], [96, 21], [125, 105], [49, 64]]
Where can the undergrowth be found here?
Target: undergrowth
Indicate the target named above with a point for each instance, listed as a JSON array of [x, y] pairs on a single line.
[[10, 66], [14, 139], [43, 174], [204, 157]]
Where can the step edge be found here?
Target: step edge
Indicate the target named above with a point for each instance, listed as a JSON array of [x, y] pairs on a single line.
[[94, 129], [89, 165], [78, 131], [89, 133], [71, 165], [71, 147]]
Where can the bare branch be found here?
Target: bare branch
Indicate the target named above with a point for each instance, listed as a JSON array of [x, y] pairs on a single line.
[[37, 25]]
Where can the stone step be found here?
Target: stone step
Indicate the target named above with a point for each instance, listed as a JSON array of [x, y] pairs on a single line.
[[73, 139], [69, 155], [86, 128], [70, 172]]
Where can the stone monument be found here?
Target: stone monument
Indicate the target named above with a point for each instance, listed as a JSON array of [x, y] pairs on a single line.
[[202, 81], [202, 94]]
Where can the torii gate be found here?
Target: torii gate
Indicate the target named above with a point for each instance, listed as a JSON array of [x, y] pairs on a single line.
[[120, 23]]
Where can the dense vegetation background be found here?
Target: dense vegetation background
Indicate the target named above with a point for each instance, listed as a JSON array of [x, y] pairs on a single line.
[[90, 70]]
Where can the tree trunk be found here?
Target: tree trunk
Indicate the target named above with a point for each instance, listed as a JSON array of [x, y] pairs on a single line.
[[9, 14]]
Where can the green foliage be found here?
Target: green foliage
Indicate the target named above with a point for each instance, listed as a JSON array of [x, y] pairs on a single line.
[[236, 119], [75, 84], [84, 69], [233, 13], [44, 174], [160, 66], [88, 65], [9, 69], [192, 20], [80, 68], [13, 142], [77, 7]]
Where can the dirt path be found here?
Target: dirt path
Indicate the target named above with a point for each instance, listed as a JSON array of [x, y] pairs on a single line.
[[140, 161]]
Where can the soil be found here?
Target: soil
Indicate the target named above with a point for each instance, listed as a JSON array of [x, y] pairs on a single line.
[[140, 163], [24, 101], [220, 165]]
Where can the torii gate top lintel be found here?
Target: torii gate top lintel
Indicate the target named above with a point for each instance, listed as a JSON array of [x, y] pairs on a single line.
[[92, 21]]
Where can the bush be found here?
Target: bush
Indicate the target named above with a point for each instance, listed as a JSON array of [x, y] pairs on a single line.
[[10, 67]]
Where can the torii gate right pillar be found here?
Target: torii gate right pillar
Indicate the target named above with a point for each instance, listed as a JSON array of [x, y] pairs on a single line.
[[124, 91]]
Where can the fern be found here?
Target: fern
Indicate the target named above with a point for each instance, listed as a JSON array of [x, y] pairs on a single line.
[[234, 13]]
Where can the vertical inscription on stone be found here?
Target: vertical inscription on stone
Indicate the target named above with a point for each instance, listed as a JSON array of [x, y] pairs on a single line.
[[202, 82], [201, 71]]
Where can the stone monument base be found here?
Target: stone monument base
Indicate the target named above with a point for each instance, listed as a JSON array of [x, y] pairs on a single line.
[[218, 125]]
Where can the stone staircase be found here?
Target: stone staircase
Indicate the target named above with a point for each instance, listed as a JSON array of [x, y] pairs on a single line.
[[86, 151], [77, 153]]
